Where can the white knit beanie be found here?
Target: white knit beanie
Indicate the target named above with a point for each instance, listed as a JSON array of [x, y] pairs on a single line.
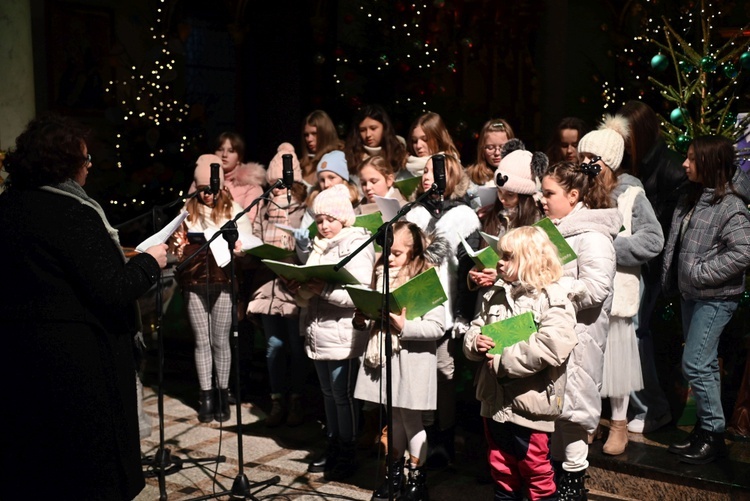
[[608, 141], [514, 173], [335, 202]]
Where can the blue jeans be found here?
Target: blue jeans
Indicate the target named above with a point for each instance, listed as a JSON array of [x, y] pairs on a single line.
[[285, 350], [337, 379], [702, 324], [650, 402]]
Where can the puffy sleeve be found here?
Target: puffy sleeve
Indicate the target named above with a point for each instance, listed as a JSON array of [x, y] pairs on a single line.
[[596, 271], [549, 346], [733, 258], [647, 238]]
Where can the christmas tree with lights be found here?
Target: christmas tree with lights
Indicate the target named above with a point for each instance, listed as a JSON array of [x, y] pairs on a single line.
[[154, 134], [706, 82]]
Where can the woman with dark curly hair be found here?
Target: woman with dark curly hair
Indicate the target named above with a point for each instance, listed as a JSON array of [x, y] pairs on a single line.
[[68, 313]]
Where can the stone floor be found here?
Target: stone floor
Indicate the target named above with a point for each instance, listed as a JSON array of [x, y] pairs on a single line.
[[646, 471], [282, 452]]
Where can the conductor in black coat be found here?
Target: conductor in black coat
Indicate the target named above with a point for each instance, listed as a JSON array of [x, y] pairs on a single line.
[[68, 317]]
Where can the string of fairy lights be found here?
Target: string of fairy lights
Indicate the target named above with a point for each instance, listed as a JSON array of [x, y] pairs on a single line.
[[145, 95], [420, 54]]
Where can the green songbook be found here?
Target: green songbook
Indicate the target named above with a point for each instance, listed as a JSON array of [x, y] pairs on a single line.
[[268, 251], [408, 185], [566, 252], [419, 295], [483, 258], [510, 331], [303, 273]]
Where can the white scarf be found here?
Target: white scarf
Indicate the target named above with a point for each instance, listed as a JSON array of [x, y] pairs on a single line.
[[375, 351]]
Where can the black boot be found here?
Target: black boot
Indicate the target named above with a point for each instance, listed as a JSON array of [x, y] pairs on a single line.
[[440, 449], [680, 447], [571, 486], [503, 495], [705, 447], [327, 460], [396, 478], [207, 405], [346, 462], [222, 413], [416, 487]]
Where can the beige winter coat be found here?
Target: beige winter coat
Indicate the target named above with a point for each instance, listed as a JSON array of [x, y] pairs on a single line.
[[527, 382], [270, 296]]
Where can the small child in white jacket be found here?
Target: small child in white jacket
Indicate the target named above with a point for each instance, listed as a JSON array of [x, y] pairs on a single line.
[[326, 317], [522, 388]]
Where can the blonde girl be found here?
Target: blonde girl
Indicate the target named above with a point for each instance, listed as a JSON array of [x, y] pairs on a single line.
[[376, 179], [413, 364], [513, 386]]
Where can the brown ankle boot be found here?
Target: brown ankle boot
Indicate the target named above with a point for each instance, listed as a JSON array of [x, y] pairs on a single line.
[[618, 438]]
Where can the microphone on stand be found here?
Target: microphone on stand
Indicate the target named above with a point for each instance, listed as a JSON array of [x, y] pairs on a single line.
[[214, 185], [288, 176], [438, 174]]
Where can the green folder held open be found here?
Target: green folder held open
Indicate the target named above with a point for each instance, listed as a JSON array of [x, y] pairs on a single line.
[[483, 258], [370, 222], [303, 273], [408, 185], [268, 251], [510, 331], [566, 252], [419, 295]]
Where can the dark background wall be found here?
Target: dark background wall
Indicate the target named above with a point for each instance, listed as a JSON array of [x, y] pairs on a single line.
[[259, 70]]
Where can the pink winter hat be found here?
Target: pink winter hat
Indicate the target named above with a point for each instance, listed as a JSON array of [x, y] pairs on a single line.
[[276, 167], [335, 202], [516, 167], [202, 174]]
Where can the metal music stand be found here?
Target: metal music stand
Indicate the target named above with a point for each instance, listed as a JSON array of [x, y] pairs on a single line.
[[384, 237], [241, 486]]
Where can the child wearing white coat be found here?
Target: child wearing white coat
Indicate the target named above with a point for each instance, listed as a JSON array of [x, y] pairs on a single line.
[[575, 199], [330, 338], [413, 364]]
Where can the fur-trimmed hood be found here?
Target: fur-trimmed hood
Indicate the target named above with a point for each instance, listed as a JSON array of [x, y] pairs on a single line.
[[606, 221], [248, 174], [462, 187], [438, 250]]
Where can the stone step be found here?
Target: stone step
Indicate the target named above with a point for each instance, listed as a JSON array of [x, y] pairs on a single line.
[[646, 470]]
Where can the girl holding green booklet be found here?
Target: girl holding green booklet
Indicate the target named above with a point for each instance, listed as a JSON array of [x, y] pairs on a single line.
[[521, 388], [413, 363]]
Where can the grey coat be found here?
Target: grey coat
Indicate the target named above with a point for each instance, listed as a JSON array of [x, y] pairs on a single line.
[[647, 240], [413, 368], [714, 249]]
